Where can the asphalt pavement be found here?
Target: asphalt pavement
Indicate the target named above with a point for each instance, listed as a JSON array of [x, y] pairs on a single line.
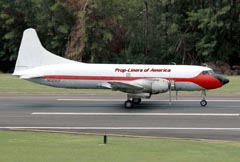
[[105, 114]]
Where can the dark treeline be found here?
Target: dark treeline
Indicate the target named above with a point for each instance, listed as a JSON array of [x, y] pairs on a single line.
[[125, 31]]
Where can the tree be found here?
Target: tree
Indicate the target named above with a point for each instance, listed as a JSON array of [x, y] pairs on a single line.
[[215, 27], [119, 31], [76, 42], [51, 19]]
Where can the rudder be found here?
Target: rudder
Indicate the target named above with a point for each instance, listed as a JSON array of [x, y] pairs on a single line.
[[32, 54]]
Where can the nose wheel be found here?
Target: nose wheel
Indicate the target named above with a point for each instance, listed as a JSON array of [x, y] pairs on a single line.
[[203, 103]]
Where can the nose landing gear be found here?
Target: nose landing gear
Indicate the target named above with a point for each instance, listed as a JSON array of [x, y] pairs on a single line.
[[203, 102]]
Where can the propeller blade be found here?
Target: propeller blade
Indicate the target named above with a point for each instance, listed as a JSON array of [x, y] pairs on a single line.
[[170, 92]]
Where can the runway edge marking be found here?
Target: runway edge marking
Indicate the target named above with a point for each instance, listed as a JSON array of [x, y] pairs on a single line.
[[137, 114], [125, 128]]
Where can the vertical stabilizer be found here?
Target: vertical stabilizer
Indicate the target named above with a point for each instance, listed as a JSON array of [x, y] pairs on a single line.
[[32, 54]]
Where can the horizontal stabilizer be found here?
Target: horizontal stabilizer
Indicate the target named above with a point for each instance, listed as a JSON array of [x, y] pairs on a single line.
[[30, 76]]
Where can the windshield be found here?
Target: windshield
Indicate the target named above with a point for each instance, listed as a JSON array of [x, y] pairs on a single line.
[[208, 72]]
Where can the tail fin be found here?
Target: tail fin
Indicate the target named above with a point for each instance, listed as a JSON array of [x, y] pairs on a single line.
[[32, 54]]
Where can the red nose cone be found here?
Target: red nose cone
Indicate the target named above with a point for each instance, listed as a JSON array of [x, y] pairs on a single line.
[[209, 81]]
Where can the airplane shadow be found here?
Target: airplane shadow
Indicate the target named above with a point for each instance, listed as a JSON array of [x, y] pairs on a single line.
[[111, 106]]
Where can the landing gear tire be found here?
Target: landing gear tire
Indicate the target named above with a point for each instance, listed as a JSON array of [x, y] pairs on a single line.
[[203, 103], [136, 100], [128, 104]]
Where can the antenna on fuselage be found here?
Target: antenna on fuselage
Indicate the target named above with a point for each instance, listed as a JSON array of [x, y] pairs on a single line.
[[172, 63]]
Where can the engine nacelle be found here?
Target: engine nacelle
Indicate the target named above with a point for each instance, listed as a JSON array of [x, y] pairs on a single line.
[[160, 86], [152, 85]]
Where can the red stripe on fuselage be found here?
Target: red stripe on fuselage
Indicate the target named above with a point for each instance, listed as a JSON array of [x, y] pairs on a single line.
[[205, 81], [68, 77]]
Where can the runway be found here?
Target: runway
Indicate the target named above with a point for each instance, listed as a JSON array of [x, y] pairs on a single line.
[[105, 114]]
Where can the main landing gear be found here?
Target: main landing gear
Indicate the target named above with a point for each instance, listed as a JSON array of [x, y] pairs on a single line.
[[203, 102], [135, 101], [130, 103]]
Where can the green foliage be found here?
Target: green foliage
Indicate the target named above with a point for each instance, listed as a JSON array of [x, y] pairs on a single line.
[[52, 20], [214, 26], [118, 31], [103, 24]]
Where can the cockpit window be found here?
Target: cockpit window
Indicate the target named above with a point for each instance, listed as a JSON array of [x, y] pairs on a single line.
[[208, 72]]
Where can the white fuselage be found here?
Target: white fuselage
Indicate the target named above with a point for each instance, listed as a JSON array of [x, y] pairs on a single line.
[[82, 75]]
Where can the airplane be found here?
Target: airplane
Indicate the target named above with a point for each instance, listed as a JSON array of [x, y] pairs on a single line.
[[36, 64]]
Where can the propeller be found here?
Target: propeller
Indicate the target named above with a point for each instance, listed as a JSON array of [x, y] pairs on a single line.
[[176, 95], [171, 86], [170, 93]]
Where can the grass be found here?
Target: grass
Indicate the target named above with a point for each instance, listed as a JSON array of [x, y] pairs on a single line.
[[10, 84], [232, 88], [49, 147]]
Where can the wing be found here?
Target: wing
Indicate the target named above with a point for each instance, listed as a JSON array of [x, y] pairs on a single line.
[[153, 85], [128, 87], [125, 86]]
